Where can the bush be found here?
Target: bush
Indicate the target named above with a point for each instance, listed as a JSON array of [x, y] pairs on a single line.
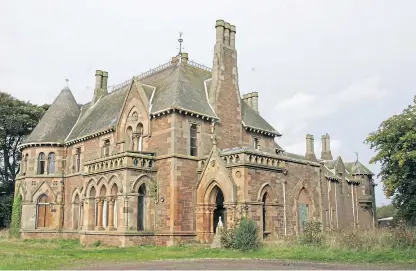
[[244, 237], [16, 217], [312, 233]]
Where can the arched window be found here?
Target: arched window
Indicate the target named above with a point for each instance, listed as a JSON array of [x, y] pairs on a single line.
[[141, 207], [94, 206], [129, 138], [51, 163], [43, 212], [139, 131], [41, 163]]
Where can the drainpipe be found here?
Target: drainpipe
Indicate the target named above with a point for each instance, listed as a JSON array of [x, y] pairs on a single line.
[[353, 204], [336, 205], [329, 205], [284, 206]]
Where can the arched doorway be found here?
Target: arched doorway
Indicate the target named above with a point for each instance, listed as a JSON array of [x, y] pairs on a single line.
[[43, 212], [219, 209], [141, 207]]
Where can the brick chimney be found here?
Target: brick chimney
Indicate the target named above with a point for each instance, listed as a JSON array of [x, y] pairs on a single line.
[[100, 90], [224, 94], [251, 100], [310, 148], [184, 58], [326, 148]]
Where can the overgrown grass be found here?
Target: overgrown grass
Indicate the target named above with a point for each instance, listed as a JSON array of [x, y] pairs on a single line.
[[60, 253]]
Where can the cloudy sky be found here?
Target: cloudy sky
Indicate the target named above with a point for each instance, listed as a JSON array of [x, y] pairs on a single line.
[[337, 67]]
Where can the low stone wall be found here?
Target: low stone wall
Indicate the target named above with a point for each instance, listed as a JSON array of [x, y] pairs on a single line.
[[118, 239], [49, 235]]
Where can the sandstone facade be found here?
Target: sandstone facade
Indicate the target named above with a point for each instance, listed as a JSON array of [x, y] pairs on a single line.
[[159, 158]]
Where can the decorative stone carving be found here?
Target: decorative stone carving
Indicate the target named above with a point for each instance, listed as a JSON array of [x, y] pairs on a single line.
[[238, 174]]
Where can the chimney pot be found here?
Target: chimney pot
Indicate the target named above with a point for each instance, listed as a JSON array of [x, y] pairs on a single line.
[[227, 28], [98, 79], [232, 36], [255, 101], [219, 28], [310, 152], [326, 148], [104, 81]]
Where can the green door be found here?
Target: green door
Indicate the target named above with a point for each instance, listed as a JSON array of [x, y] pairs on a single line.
[[302, 215]]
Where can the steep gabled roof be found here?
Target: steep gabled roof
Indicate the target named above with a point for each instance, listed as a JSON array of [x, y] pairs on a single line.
[[252, 119], [180, 87], [356, 168], [99, 116], [57, 121]]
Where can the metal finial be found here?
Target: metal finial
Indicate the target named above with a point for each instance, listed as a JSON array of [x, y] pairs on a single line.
[[356, 155], [67, 80], [180, 43]]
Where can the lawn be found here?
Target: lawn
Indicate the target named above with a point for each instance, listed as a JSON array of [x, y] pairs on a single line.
[[56, 254]]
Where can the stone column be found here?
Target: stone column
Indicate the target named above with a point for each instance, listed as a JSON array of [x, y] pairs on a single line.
[[126, 213], [110, 214], [199, 217], [100, 203]]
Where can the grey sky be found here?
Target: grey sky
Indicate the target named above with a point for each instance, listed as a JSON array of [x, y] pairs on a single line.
[[319, 66]]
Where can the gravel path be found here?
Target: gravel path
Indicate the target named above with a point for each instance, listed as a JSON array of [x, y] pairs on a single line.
[[225, 264]]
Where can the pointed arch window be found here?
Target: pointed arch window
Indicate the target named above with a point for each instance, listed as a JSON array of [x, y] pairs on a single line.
[[129, 138], [139, 131], [41, 163], [51, 163], [78, 159], [141, 207]]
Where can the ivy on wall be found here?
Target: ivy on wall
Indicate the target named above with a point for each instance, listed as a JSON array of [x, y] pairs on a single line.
[[16, 216]]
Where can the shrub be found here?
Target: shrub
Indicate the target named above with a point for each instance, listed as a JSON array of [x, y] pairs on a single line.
[[244, 237], [16, 217], [312, 233], [97, 243]]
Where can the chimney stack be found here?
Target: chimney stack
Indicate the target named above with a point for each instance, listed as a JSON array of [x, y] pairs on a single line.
[[227, 28], [326, 148], [310, 144], [255, 101], [100, 85], [251, 100], [175, 60]]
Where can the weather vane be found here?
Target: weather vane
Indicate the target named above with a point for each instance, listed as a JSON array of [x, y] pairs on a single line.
[[67, 80], [356, 155], [180, 43]]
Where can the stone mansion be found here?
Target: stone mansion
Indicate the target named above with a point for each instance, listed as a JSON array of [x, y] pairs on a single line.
[[159, 158]]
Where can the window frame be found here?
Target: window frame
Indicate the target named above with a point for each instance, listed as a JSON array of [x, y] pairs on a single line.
[[193, 148]]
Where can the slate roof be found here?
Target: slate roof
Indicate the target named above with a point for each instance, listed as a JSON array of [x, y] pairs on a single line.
[[180, 87], [176, 86], [100, 116], [357, 168], [57, 120], [253, 119]]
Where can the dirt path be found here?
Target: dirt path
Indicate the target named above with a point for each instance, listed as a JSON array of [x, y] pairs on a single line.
[[224, 264]]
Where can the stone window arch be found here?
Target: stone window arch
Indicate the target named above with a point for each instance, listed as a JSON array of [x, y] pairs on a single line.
[[41, 163], [43, 213], [51, 163]]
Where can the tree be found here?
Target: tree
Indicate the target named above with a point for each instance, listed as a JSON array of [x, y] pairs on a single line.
[[17, 120], [386, 211], [395, 146]]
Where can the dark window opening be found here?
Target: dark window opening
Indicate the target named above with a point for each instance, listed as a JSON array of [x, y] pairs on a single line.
[[41, 163], [194, 140], [78, 159], [107, 147]]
